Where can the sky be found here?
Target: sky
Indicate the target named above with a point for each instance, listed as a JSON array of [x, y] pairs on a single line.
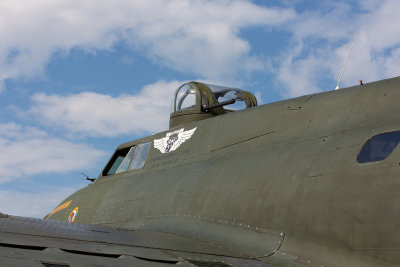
[[78, 78]]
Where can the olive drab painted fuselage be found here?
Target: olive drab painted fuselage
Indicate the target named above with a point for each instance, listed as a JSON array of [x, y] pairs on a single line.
[[279, 182]]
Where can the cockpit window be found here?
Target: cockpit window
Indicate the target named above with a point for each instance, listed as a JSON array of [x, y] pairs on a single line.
[[115, 161], [115, 166], [186, 98], [379, 147], [140, 156], [128, 159]]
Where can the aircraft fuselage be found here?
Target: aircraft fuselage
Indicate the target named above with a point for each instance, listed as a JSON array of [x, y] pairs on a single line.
[[286, 171]]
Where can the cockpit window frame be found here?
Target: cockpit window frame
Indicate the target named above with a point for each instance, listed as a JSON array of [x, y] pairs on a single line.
[[139, 157], [111, 170], [125, 164]]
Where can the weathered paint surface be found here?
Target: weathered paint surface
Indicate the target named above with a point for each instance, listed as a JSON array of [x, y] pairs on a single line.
[[286, 172]]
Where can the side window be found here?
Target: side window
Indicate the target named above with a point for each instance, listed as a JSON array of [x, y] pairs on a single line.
[[127, 161], [140, 156], [379, 147]]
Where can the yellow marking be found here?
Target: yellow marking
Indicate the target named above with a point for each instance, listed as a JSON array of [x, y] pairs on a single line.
[[72, 215], [60, 207]]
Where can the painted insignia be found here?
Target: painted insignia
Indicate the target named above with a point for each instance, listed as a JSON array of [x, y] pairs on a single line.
[[173, 140], [60, 207], [72, 215]]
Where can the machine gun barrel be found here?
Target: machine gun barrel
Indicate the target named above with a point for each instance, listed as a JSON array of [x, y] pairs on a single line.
[[220, 104]]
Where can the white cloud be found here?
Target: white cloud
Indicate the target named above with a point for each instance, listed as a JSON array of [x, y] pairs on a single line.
[[199, 37], [321, 42], [90, 114], [203, 37], [37, 204], [93, 114], [28, 151]]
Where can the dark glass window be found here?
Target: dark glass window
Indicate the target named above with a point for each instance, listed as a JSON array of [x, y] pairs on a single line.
[[115, 161], [379, 147], [115, 165]]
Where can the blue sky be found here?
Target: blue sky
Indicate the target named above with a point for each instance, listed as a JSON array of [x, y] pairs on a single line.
[[77, 78]]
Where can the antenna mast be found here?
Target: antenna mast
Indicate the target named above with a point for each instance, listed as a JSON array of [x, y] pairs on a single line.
[[347, 60]]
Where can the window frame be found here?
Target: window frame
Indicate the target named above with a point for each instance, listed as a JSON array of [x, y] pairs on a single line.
[[124, 152]]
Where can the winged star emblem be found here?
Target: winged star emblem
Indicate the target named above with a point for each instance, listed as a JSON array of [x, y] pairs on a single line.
[[173, 140]]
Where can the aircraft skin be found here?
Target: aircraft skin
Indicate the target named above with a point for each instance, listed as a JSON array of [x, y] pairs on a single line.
[[273, 185]]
